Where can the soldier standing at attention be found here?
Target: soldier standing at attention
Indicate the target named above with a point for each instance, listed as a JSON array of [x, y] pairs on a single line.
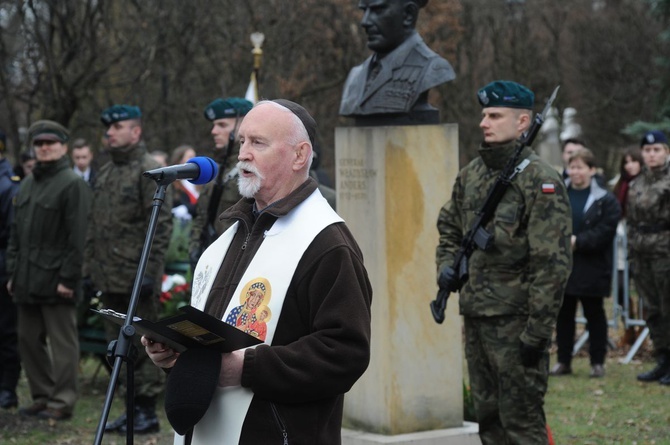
[[511, 300], [648, 217], [122, 206], [226, 116]]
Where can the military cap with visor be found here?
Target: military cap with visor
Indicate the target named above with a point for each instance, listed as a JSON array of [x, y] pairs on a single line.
[[227, 108], [506, 94], [117, 113], [46, 130]]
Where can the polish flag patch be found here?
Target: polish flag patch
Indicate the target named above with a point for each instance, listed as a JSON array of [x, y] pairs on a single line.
[[548, 188]]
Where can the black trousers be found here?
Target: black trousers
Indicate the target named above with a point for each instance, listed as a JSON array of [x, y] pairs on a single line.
[[596, 324], [10, 364]]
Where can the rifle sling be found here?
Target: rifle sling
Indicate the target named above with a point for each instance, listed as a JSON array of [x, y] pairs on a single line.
[[505, 184]]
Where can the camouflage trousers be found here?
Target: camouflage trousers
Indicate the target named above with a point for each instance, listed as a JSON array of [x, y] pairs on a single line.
[[508, 397], [652, 280], [148, 378]]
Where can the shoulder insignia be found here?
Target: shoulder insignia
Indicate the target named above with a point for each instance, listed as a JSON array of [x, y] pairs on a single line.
[[548, 188], [15, 178]]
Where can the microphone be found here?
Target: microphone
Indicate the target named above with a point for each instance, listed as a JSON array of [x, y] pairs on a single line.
[[198, 170]]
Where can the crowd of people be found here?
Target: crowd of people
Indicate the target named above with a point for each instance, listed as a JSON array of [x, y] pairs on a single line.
[[97, 223], [519, 291], [553, 240]]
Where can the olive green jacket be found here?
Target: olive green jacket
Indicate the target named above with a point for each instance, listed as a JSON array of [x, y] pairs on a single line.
[[46, 244], [526, 270]]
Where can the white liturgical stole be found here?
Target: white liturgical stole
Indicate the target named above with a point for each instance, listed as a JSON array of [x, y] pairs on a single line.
[[256, 304]]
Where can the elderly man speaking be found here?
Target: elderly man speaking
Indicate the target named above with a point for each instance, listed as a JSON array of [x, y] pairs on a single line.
[[314, 310]]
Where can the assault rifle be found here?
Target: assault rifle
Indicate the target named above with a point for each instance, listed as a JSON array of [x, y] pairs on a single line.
[[477, 236]]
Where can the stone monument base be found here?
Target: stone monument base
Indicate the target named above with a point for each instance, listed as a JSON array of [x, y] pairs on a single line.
[[391, 184], [468, 434]]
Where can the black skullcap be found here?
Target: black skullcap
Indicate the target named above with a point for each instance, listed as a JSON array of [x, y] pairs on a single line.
[[306, 119], [190, 387]]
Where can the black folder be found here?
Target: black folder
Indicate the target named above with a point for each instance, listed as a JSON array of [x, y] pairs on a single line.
[[190, 329]]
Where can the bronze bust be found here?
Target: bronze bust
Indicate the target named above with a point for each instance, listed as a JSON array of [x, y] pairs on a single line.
[[391, 86]]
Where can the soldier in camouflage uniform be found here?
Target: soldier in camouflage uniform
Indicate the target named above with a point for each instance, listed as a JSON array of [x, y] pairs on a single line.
[[226, 116], [122, 207], [648, 217], [514, 292]]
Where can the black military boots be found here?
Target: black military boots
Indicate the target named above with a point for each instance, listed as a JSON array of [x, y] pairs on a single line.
[[661, 372]]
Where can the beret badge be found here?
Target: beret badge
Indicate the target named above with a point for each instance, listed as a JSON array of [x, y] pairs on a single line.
[[483, 98]]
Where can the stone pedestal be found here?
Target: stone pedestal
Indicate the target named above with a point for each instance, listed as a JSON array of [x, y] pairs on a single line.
[[391, 183]]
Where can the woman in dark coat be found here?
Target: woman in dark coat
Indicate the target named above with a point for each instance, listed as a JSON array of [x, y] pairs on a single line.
[[595, 215]]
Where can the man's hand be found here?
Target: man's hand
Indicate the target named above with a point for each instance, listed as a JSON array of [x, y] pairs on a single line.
[[231, 368], [160, 354], [64, 291], [448, 280], [530, 355]]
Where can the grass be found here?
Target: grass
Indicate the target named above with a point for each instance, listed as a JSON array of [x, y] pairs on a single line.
[[580, 411], [616, 409], [81, 429]]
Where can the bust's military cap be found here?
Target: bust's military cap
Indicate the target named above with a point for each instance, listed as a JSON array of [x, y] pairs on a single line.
[[506, 94], [654, 137], [45, 130], [228, 107], [117, 113]]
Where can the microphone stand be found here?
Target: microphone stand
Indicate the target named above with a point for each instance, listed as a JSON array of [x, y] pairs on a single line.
[[123, 349]]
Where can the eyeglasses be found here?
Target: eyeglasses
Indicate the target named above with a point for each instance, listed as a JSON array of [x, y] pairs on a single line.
[[43, 142]]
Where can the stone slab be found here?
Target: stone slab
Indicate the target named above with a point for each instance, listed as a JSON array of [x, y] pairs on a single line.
[[465, 435]]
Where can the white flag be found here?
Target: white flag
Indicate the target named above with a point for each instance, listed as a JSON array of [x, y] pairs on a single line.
[[252, 91]]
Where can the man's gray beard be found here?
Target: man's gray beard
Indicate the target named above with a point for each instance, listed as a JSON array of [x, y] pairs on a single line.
[[248, 187]]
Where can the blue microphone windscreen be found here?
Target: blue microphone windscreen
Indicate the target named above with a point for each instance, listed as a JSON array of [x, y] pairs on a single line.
[[208, 169]]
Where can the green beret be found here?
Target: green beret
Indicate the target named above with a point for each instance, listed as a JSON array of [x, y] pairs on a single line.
[[48, 131], [229, 107], [117, 113], [507, 94]]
